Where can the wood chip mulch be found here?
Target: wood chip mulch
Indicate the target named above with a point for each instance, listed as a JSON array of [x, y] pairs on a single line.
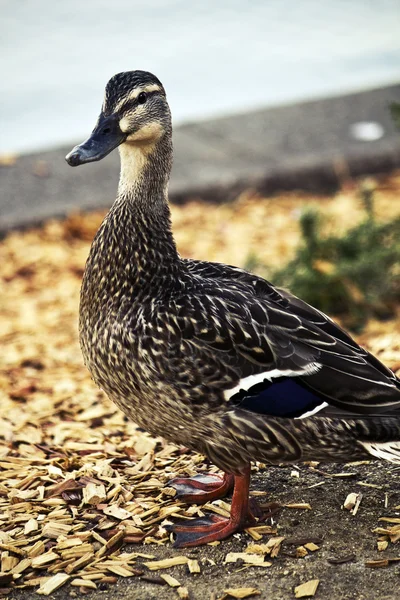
[[78, 482]]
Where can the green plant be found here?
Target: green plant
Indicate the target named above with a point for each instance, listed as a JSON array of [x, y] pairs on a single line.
[[395, 112], [355, 275]]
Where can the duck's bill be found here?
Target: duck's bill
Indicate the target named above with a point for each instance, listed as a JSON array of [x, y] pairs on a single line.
[[105, 137]]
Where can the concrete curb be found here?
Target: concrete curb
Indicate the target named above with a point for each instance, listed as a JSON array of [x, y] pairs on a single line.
[[309, 146]]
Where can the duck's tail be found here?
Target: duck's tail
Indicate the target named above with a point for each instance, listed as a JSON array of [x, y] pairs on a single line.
[[376, 436], [380, 437], [332, 439], [384, 450]]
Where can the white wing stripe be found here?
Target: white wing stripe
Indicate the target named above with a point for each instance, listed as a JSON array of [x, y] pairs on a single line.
[[248, 382], [312, 412]]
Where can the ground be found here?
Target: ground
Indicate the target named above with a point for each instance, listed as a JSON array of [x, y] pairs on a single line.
[[77, 479], [342, 536]]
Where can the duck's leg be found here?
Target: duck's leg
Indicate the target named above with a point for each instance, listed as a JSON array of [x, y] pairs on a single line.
[[202, 488], [212, 528]]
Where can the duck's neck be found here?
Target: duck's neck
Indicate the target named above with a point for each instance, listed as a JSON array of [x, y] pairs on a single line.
[[134, 245], [145, 171]]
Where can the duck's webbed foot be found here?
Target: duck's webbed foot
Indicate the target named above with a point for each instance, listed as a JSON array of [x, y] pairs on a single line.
[[202, 488], [211, 528], [206, 529]]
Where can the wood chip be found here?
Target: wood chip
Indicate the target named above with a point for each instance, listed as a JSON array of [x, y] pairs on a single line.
[[301, 552], [382, 545], [258, 549], [76, 551], [299, 505], [357, 504], [183, 593], [80, 563], [257, 532], [352, 502], [109, 579], [307, 589], [390, 519], [53, 584], [249, 559], [370, 485], [64, 543], [302, 541], [166, 563], [117, 512], [377, 564], [193, 566], [44, 559], [8, 562], [24, 564], [37, 549], [53, 529], [156, 580], [115, 539], [94, 494], [311, 546], [121, 570], [272, 547], [241, 593], [13, 549], [171, 581], [85, 583], [31, 526]]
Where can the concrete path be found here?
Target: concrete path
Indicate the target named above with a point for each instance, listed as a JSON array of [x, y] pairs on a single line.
[[313, 145]]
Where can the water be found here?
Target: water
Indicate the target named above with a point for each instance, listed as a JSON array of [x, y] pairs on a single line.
[[213, 57]]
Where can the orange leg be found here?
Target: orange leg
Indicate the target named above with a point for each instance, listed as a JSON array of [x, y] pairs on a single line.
[[211, 528]]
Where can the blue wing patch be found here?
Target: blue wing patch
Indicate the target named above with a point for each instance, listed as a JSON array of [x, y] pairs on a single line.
[[283, 397]]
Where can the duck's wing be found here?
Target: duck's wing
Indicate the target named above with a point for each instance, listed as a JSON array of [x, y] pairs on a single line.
[[288, 359], [219, 271], [278, 297]]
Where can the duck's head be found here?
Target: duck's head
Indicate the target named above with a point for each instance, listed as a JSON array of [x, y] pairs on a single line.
[[135, 112]]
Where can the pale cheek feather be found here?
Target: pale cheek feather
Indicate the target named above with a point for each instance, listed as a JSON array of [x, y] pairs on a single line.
[[148, 134], [124, 124]]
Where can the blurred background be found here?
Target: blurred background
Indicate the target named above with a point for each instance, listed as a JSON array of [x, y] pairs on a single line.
[[213, 58]]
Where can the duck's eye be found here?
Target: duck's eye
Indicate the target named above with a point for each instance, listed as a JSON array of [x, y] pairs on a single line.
[[142, 97]]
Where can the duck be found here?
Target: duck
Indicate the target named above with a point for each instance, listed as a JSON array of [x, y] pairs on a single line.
[[208, 355]]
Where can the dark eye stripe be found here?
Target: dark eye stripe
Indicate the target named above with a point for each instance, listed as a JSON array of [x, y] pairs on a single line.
[[132, 103]]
